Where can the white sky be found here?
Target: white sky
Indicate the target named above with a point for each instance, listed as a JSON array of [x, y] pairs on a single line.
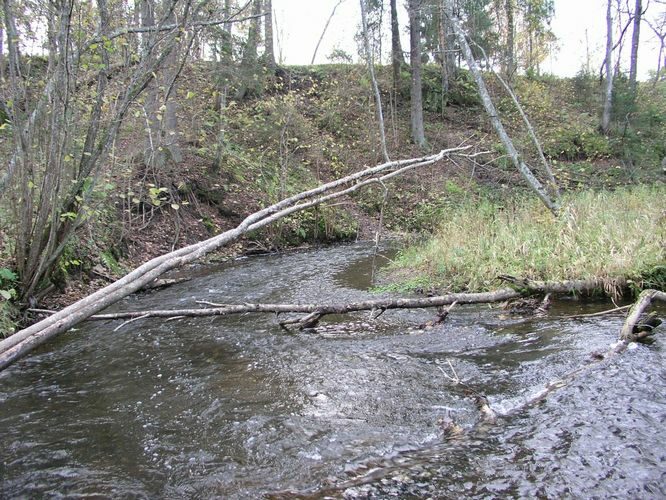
[[300, 23]]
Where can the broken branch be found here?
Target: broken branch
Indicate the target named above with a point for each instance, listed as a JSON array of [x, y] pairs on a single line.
[[644, 301]]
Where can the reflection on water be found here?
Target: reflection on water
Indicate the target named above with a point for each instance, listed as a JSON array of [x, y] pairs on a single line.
[[234, 407]]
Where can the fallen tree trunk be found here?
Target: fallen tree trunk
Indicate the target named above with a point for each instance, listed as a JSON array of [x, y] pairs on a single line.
[[319, 309], [22, 342], [644, 301], [523, 287]]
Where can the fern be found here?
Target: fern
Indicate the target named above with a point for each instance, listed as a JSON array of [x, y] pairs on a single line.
[[110, 262]]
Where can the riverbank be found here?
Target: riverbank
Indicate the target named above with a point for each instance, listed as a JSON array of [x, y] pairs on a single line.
[[617, 237], [319, 127]]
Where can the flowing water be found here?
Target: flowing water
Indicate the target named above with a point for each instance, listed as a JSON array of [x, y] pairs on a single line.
[[237, 408]]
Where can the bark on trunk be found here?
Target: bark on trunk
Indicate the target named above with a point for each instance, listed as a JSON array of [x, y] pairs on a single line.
[[375, 87], [269, 54], [416, 94], [397, 56], [320, 309], [537, 187], [522, 288], [552, 183], [510, 41], [608, 86], [644, 301], [633, 69]]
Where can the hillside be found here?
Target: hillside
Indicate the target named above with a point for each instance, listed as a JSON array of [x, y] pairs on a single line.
[[312, 124]]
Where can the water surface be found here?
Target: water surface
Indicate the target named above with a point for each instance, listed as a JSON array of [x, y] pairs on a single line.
[[237, 408]]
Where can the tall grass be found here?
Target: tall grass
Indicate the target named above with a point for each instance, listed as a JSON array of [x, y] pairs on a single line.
[[614, 236]]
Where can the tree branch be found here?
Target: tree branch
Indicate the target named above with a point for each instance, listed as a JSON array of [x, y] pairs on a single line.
[[22, 342]]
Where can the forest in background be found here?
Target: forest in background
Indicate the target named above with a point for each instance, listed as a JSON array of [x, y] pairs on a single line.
[[149, 125]]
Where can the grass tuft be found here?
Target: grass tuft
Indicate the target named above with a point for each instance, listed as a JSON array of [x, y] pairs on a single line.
[[617, 237]]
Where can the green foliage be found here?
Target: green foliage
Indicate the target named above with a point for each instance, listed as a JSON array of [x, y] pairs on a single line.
[[652, 277], [464, 91], [340, 56], [110, 262], [478, 24], [576, 142], [641, 139], [585, 90], [8, 280], [8, 293], [565, 132]]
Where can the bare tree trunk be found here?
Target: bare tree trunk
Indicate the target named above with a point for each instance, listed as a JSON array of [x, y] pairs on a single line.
[[510, 41], [224, 73], [537, 187], [323, 32], [397, 56], [375, 88], [552, 183], [441, 32], [169, 131], [248, 65], [635, 38], [269, 53], [608, 87], [416, 94], [227, 41], [2, 54], [523, 288], [150, 107]]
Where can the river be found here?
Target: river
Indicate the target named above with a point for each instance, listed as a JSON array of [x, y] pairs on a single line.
[[237, 408]]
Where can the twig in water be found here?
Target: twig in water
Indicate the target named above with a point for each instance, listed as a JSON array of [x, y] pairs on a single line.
[[600, 313], [129, 321]]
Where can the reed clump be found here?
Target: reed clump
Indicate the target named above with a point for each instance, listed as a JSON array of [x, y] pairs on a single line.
[[615, 236]]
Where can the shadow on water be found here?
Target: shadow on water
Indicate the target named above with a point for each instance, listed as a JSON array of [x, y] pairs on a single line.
[[236, 408]]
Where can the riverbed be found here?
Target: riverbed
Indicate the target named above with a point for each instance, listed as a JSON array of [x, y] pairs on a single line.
[[238, 408]]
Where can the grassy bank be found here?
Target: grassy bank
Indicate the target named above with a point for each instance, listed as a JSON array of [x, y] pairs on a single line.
[[618, 236]]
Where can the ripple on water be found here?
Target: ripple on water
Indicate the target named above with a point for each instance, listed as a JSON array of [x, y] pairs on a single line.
[[234, 407]]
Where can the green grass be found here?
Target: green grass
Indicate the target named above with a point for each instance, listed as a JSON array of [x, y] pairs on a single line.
[[614, 236]]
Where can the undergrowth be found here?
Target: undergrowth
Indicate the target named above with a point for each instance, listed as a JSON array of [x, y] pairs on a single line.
[[617, 237]]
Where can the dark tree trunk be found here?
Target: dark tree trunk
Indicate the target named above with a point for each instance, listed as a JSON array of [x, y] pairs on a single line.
[[397, 56], [510, 41], [269, 53], [608, 87], [416, 94], [248, 70]]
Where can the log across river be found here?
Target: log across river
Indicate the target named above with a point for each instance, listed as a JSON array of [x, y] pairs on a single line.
[[234, 407]]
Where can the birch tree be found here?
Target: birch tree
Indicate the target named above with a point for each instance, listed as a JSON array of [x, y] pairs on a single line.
[[375, 87], [269, 53], [549, 197], [635, 39], [608, 84]]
